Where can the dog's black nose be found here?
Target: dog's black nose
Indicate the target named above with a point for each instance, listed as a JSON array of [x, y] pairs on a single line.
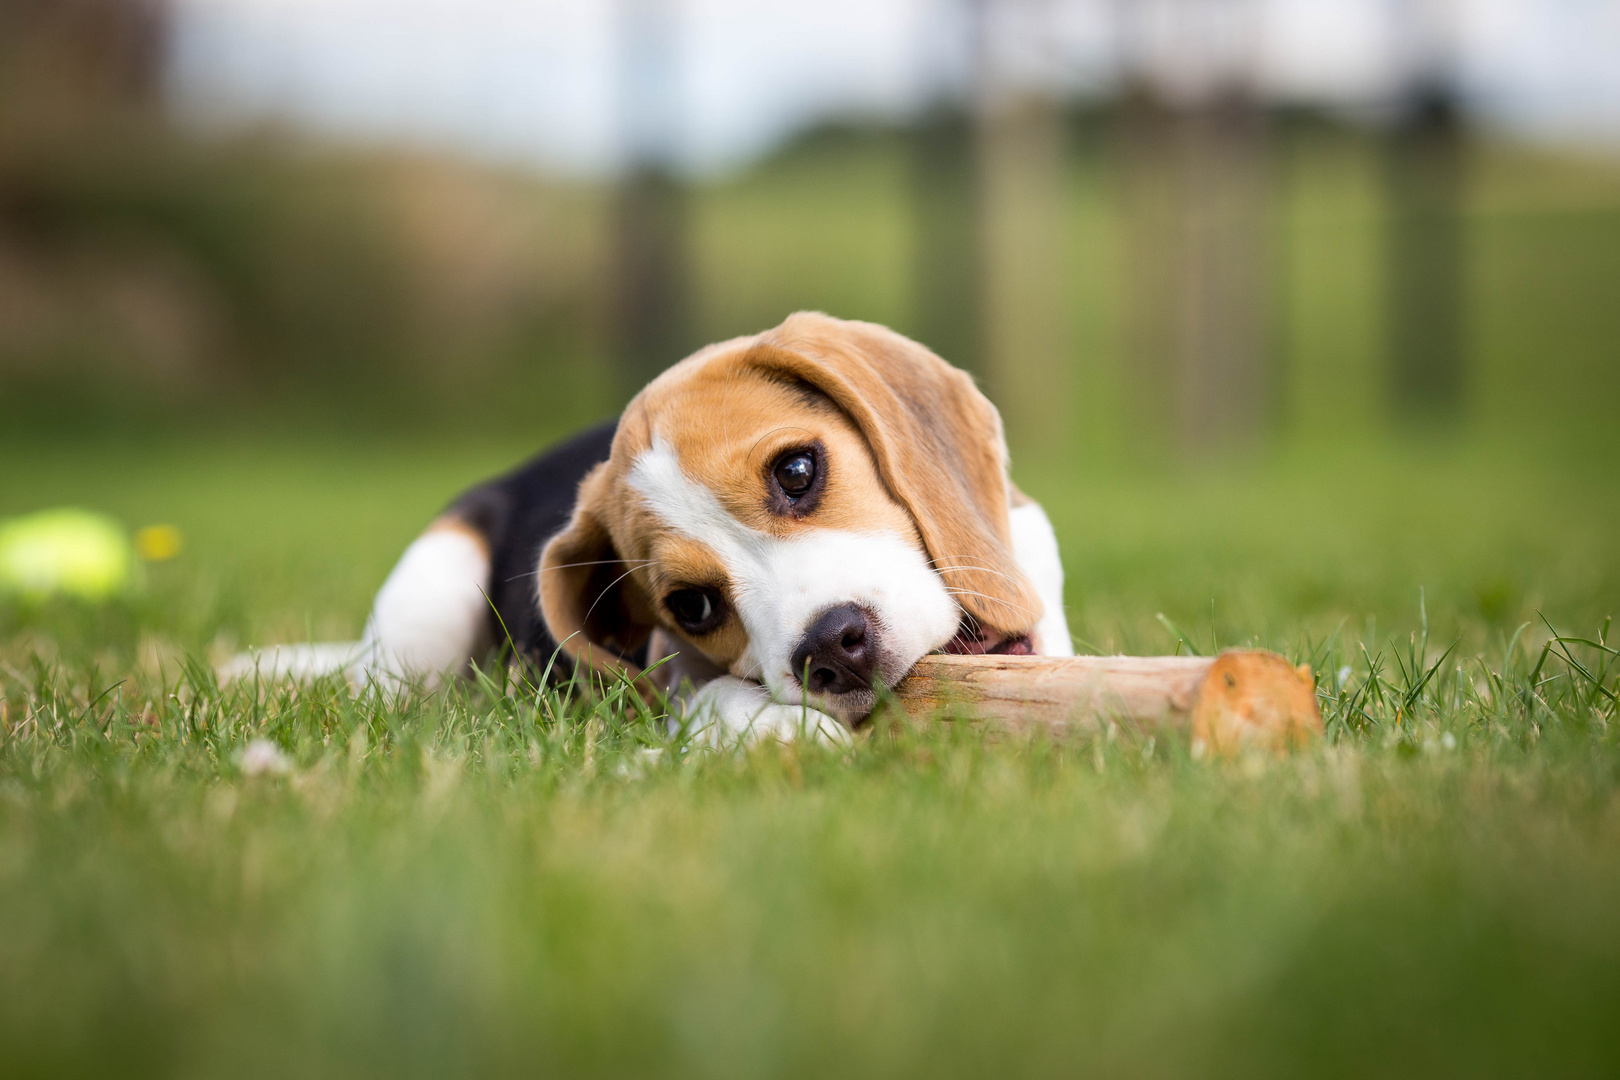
[[837, 654]]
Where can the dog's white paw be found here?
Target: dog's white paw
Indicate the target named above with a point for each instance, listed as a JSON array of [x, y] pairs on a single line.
[[296, 663], [730, 711]]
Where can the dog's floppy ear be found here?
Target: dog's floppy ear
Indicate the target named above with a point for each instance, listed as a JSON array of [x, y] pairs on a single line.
[[938, 444], [591, 603]]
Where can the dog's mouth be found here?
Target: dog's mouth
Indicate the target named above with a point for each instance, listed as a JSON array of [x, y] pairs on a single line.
[[976, 641], [854, 706]]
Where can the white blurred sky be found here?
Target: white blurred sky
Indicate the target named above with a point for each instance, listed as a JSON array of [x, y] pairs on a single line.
[[540, 81]]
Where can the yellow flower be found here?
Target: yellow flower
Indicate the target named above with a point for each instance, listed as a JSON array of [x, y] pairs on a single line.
[[156, 543]]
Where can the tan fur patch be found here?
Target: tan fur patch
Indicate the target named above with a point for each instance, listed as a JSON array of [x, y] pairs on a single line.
[[451, 524], [675, 562]]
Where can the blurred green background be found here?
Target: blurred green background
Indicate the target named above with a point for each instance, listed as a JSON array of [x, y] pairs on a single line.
[[1274, 336]]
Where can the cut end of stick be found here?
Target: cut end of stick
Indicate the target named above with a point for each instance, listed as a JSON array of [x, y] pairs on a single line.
[[1255, 698]]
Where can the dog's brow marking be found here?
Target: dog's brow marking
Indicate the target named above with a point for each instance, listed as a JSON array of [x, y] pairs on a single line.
[[686, 505]]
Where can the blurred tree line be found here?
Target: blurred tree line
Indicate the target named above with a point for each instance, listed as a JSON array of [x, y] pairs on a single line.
[[1129, 278], [151, 274]]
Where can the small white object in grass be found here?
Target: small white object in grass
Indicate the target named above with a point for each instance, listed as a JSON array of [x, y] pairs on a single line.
[[261, 756], [1344, 676], [634, 768], [1446, 742]]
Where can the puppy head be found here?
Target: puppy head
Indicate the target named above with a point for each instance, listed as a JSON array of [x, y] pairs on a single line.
[[816, 508]]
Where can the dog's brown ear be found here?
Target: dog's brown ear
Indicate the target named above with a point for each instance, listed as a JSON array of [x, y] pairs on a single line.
[[591, 603], [938, 444]]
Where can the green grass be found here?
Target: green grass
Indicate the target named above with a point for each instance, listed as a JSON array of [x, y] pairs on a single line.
[[492, 881]]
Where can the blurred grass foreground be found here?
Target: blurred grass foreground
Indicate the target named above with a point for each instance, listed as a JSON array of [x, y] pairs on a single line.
[[1342, 390]]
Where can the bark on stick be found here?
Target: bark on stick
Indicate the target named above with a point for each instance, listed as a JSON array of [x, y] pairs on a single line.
[[1243, 697]]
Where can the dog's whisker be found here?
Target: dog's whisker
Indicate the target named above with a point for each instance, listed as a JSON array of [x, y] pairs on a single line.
[[939, 564], [784, 427], [957, 562], [978, 570], [993, 599], [601, 595], [593, 562]]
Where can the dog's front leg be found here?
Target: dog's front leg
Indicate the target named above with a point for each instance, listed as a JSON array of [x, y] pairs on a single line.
[[729, 710]]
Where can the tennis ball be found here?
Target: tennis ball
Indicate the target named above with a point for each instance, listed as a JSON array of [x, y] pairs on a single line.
[[64, 552]]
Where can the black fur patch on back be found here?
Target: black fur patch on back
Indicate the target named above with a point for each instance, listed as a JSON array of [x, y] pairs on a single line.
[[517, 513]]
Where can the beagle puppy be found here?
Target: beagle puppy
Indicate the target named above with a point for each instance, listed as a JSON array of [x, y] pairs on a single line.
[[789, 521]]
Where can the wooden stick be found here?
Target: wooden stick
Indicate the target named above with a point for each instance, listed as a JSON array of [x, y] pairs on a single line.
[[1243, 697]]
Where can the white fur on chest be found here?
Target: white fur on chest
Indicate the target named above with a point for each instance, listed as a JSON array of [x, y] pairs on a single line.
[[1036, 549]]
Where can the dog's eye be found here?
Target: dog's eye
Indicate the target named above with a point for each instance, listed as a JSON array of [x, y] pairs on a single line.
[[796, 472], [697, 610], [794, 481]]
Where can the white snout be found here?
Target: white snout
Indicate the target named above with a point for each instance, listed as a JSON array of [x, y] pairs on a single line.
[[787, 585]]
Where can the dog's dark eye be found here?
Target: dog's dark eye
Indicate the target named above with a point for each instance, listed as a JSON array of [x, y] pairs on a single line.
[[796, 472], [794, 481], [697, 610]]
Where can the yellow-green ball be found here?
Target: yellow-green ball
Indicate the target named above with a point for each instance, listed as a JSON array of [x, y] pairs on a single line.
[[64, 553]]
